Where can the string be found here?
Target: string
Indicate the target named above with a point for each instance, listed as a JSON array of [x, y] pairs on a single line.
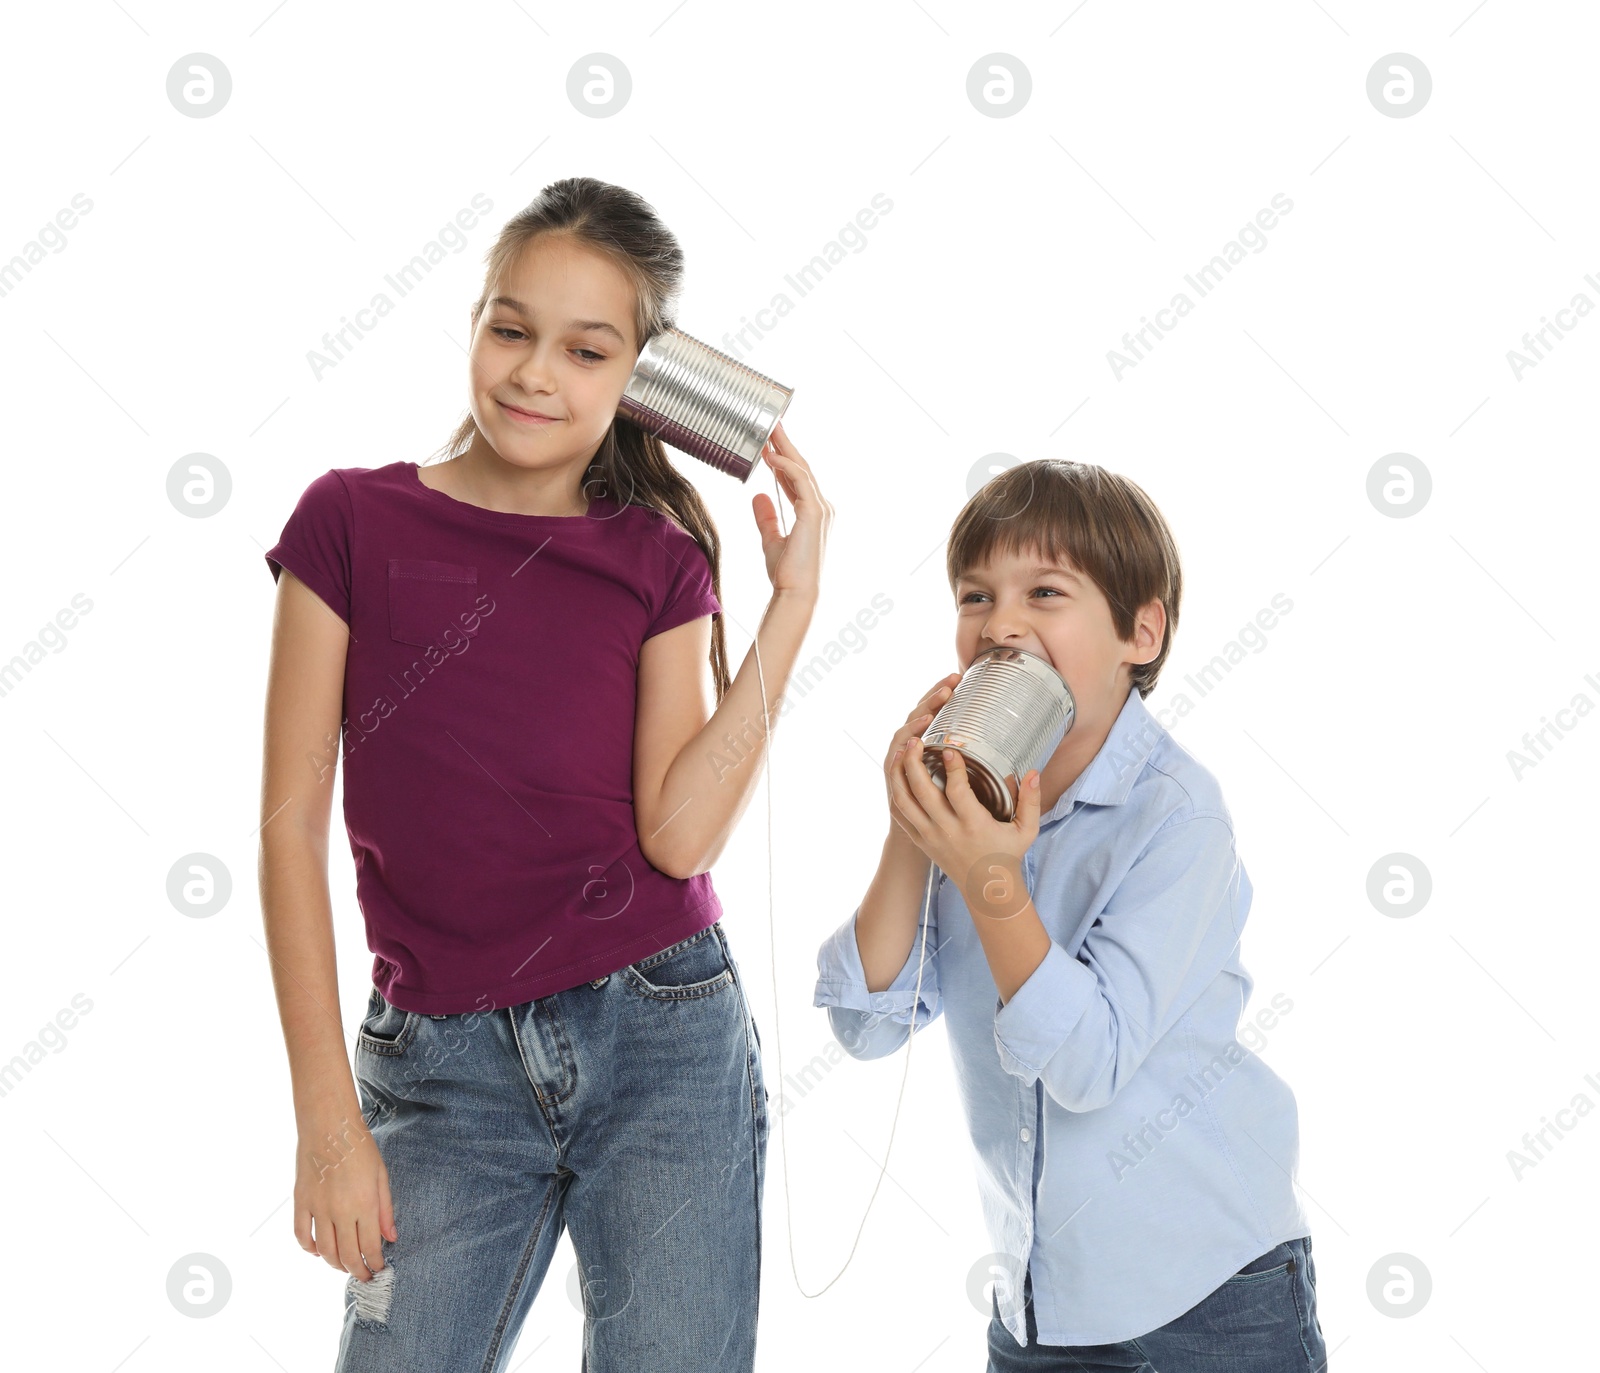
[[772, 947]]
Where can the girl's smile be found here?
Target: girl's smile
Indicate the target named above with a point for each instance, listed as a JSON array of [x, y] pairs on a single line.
[[557, 329], [556, 334], [530, 417]]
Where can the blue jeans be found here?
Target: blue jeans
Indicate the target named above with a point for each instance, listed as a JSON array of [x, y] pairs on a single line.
[[1261, 1320], [630, 1110]]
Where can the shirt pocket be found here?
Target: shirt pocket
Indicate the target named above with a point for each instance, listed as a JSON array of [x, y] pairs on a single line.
[[429, 598]]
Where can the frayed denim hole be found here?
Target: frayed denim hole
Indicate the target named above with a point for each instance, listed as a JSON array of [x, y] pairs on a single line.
[[372, 1299]]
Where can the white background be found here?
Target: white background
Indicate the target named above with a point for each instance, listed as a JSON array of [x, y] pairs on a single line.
[[177, 316]]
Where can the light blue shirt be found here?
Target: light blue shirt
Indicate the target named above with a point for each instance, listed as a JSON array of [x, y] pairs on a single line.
[[1129, 1150]]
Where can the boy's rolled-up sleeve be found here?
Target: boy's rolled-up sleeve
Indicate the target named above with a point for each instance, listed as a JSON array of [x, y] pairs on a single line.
[[1084, 1024], [872, 1024]]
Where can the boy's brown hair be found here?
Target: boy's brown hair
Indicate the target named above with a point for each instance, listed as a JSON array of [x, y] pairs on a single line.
[[1080, 516]]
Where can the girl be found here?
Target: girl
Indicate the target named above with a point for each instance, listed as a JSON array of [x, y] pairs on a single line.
[[557, 1033]]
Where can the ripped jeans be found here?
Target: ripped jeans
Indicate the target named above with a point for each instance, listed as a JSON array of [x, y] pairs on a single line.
[[630, 1111]]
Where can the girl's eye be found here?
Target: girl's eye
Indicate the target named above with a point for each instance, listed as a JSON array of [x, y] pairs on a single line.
[[513, 335]]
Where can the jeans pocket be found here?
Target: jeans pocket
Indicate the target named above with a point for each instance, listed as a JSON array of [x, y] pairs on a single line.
[[387, 1029], [1275, 1261], [693, 967]]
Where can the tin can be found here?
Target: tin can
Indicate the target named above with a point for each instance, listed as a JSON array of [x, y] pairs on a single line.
[[1007, 715], [699, 400]]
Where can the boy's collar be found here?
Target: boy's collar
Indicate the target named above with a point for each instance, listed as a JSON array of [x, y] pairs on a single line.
[[1112, 771]]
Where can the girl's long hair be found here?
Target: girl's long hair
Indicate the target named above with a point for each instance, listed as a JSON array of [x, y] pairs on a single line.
[[630, 466]]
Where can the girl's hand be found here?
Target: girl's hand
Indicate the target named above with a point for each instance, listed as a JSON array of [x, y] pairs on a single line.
[[794, 561], [341, 1188]]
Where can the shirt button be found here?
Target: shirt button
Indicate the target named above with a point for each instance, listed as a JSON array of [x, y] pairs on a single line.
[[1027, 1134]]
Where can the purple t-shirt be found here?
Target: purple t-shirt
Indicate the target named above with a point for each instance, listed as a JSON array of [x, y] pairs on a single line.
[[488, 731]]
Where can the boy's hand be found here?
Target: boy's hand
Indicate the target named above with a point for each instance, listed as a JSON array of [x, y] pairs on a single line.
[[955, 829], [921, 714]]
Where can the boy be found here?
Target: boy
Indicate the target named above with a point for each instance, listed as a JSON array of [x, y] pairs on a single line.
[[1134, 1161]]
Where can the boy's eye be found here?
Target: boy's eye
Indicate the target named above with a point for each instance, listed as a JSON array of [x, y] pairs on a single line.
[[1052, 590]]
